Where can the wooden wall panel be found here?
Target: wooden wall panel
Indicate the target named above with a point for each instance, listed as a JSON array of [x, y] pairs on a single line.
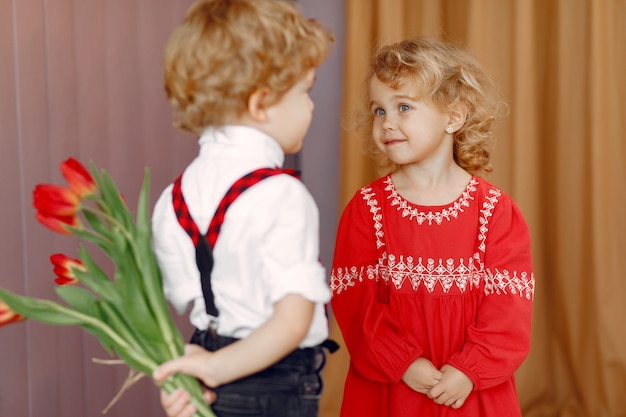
[[84, 79], [13, 389], [71, 86]]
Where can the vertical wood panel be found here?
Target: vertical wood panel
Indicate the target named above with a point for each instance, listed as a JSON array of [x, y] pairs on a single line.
[[90, 79], [34, 141], [61, 100], [123, 99], [10, 187], [13, 386]]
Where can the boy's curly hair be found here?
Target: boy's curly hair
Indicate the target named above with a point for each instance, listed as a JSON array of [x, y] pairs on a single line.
[[225, 50], [446, 75]]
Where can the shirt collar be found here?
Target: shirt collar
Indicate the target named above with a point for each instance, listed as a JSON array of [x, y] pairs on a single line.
[[246, 141]]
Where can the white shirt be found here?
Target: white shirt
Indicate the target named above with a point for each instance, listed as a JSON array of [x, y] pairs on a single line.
[[268, 246]]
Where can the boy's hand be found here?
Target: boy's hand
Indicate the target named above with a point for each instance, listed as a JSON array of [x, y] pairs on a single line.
[[453, 389], [195, 362], [177, 403], [421, 375]]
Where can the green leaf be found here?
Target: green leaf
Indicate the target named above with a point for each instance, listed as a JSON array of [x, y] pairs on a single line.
[[106, 344], [143, 213], [117, 320], [87, 303], [113, 203], [151, 273], [79, 299], [95, 222], [134, 301], [153, 289], [95, 278], [95, 173], [49, 312], [44, 311], [89, 236]]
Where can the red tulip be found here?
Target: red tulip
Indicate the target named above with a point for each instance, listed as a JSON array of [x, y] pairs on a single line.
[[54, 200], [64, 267], [78, 178], [8, 316], [58, 223]]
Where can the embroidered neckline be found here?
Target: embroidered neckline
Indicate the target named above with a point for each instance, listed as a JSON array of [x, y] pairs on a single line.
[[449, 212]]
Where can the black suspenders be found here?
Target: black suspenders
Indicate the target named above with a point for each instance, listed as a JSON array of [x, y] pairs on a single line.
[[204, 243]]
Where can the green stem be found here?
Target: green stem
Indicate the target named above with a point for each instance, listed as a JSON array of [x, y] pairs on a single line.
[[156, 300], [115, 337], [90, 235], [112, 220]]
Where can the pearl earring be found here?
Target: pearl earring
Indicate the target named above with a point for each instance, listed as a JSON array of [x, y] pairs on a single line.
[[449, 129]]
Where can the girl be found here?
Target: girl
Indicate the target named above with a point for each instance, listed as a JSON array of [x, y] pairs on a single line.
[[432, 278]]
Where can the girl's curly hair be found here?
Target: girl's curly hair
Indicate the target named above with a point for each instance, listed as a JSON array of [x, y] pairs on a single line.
[[447, 75]]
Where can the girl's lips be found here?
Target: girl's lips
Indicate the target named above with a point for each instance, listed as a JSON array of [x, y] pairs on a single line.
[[388, 142]]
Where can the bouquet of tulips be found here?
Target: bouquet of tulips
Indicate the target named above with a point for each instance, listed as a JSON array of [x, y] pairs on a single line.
[[128, 312]]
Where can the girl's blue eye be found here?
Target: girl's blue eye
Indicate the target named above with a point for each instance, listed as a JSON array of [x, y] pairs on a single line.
[[379, 112], [404, 107]]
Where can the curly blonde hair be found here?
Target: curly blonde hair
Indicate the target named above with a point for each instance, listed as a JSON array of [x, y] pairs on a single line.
[[225, 50], [447, 75]]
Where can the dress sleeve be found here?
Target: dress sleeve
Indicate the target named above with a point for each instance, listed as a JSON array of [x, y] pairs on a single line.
[[499, 340], [379, 348]]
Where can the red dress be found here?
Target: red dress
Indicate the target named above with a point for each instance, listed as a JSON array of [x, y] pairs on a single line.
[[453, 284]]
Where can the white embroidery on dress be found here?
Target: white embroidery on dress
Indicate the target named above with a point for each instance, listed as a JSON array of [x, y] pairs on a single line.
[[343, 278], [431, 273], [447, 213], [369, 197], [504, 283], [465, 275], [488, 207]]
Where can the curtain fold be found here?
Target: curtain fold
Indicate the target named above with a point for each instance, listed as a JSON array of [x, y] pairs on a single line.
[[560, 153]]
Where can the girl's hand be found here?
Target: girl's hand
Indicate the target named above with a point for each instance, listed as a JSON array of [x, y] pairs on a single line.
[[453, 389], [421, 375]]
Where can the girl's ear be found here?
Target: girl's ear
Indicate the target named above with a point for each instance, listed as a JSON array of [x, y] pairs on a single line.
[[257, 109], [457, 115]]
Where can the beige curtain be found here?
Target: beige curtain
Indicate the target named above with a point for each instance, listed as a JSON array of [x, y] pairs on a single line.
[[562, 66]]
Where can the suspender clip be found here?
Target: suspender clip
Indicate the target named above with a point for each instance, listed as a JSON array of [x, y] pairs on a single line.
[[212, 329]]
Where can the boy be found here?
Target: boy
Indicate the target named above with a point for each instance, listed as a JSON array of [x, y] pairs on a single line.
[[238, 74]]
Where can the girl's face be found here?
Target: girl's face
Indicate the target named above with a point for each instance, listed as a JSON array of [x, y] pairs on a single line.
[[408, 130]]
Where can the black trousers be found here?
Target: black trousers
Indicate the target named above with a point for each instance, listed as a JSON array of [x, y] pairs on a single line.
[[290, 388]]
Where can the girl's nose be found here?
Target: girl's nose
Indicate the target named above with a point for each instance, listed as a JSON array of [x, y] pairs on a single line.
[[388, 124]]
